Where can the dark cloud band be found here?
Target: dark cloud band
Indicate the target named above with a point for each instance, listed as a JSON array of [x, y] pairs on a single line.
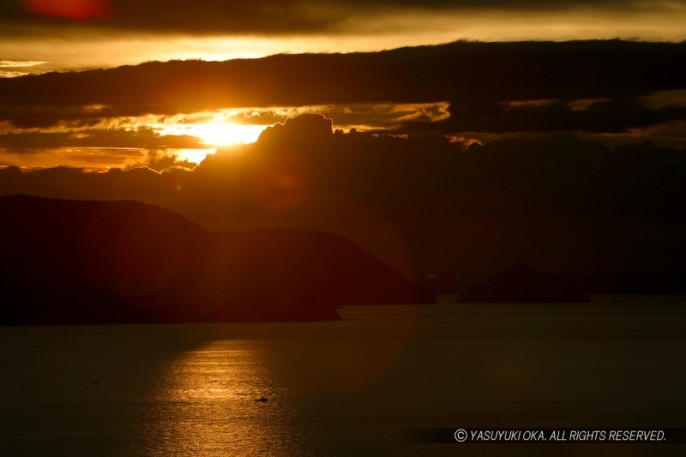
[[481, 80]]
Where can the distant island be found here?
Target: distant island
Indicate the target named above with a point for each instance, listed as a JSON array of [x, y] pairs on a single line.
[[524, 284], [87, 262]]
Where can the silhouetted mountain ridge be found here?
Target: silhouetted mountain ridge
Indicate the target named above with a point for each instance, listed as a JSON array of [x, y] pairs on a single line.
[[68, 261]]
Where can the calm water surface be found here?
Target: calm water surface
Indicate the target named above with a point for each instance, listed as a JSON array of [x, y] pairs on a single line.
[[348, 388]]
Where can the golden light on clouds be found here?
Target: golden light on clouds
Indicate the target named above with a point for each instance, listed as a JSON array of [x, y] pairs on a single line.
[[167, 141], [79, 48], [16, 68], [90, 158], [125, 142], [19, 63]]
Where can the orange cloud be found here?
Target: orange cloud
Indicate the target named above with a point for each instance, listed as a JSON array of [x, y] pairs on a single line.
[[78, 10]]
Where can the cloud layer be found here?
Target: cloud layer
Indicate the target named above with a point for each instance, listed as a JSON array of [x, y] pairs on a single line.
[[480, 80]]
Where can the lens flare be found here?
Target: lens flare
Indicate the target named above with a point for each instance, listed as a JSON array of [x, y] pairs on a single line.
[[77, 10]]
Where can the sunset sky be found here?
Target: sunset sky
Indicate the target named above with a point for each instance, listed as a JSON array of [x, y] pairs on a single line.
[[449, 138], [293, 161], [182, 111]]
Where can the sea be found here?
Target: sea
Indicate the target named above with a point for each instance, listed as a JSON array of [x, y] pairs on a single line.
[[382, 381]]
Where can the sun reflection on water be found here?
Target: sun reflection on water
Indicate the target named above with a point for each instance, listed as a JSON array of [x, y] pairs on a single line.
[[220, 401]]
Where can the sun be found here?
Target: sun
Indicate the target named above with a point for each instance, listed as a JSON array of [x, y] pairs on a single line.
[[213, 133], [216, 133], [225, 133]]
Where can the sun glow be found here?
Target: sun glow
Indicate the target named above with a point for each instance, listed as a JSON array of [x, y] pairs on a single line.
[[195, 156], [225, 134], [217, 133], [213, 133]]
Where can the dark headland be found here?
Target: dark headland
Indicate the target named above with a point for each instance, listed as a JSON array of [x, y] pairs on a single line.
[[74, 262]]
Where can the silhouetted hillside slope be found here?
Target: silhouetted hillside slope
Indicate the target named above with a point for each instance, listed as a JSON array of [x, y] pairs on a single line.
[[524, 284], [65, 261]]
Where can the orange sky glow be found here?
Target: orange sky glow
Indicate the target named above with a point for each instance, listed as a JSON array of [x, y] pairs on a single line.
[[42, 36]]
